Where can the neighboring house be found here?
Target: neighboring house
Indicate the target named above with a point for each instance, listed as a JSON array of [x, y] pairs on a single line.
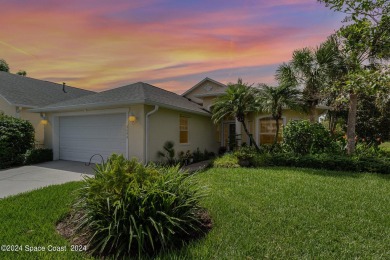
[[134, 120], [18, 94]]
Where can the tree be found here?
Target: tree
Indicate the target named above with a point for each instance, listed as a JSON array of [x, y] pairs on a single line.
[[22, 73], [312, 69], [4, 65], [274, 99], [239, 100], [365, 44], [372, 121]]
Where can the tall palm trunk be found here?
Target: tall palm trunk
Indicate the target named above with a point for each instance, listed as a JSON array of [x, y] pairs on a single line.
[[250, 136], [351, 123]]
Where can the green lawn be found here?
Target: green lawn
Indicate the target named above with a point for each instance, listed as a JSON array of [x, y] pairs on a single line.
[[257, 213], [385, 146]]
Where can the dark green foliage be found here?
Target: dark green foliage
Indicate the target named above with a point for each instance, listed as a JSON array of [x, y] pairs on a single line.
[[4, 65], [16, 137], [245, 155], [185, 158], [132, 209], [22, 73], [303, 137], [372, 122], [326, 161], [239, 100], [38, 156], [168, 153], [199, 156]]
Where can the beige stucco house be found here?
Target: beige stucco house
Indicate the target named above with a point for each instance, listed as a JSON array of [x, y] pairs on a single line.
[[260, 125], [134, 120]]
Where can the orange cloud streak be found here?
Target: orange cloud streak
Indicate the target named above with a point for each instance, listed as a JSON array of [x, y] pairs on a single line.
[[95, 52]]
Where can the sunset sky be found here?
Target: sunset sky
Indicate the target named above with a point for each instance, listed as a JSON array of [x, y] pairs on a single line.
[[172, 44]]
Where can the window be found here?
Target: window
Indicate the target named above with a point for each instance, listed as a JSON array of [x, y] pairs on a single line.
[[183, 130], [268, 129]]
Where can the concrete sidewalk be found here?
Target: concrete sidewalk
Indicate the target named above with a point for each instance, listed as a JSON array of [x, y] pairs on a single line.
[[27, 178], [197, 166]]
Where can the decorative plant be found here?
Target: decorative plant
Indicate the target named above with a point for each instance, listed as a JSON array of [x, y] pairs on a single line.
[[168, 153], [185, 157], [129, 209]]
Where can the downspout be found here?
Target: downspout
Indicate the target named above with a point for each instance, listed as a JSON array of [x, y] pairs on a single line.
[[147, 131]]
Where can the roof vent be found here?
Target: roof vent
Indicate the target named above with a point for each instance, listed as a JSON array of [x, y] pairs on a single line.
[[63, 87]]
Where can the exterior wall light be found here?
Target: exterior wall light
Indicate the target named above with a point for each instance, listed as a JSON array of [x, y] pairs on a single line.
[[44, 120], [132, 119]]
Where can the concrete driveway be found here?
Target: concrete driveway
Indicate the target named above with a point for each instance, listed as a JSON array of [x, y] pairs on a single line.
[[27, 178]]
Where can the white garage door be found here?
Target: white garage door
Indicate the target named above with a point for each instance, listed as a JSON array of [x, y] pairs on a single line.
[[83, 136]]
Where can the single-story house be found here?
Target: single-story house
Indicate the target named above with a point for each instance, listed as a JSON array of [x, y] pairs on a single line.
[[137, 119], [18, 94], [134, 120]]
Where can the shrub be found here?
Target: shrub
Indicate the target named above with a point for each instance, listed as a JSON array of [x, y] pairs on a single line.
[[228, 160], [245, 155], [168, 153], [38, 156], [303, 137], [325, 161], [129, 208], [185, 158], [16, 137], [199, 156]]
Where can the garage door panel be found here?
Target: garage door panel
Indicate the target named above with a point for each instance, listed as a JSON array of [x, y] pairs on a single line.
[[91, 143], [83, 136]]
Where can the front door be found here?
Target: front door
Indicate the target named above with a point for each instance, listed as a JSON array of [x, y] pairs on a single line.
[[229, 135]]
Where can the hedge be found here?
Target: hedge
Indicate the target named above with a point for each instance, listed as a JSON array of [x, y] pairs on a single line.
[[325, 161], [16, 137]]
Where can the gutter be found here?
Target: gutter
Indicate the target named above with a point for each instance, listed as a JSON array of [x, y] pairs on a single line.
[[156, 107]]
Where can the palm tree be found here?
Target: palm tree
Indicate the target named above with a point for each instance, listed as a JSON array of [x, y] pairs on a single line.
[[274, 99], [239, 100], [311, 69]]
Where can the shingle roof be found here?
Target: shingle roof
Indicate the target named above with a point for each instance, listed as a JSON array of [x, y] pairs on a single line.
[[137, 93], [28, 92], [201, 82]]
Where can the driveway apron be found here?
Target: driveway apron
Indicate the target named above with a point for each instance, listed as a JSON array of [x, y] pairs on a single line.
[[27, 178]]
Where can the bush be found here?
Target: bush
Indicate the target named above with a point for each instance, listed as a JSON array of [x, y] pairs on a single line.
[[245, 155], [228, 160], [16, 137], [325, 161], [129, 208], [199, 156], [38, 156], [168, 153], [303, 137]]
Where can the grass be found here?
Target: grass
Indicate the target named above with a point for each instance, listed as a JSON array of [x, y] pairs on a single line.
[[385, 146], [257, 213], [29, 219], [287, 213]]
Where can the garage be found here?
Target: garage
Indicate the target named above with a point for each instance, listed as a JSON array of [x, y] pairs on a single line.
[[80, 137]]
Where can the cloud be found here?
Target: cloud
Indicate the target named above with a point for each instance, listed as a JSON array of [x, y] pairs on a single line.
[[99, 45]]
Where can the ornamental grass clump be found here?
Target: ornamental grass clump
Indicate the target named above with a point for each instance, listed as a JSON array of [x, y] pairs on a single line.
[[130, 209]]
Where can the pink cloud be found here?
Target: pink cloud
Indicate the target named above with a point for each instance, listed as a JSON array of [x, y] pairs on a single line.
[[95, 51]]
